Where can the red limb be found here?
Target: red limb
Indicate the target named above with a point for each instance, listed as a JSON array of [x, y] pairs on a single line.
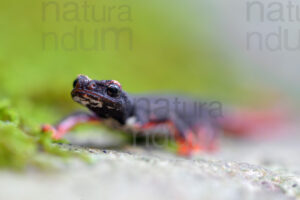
[[199, 140], [190, 141], [68, 123]]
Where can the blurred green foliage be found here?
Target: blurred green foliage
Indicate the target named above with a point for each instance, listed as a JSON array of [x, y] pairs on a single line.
[[16, 148], [22, 142], [173, 48]]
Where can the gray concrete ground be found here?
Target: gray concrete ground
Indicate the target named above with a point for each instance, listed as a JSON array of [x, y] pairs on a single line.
[[240, 170]]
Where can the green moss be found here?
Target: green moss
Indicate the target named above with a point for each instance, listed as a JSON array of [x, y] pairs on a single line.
[[16, 148], [22, 143]]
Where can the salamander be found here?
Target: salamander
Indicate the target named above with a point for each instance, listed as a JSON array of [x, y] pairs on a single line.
[[193, 126]]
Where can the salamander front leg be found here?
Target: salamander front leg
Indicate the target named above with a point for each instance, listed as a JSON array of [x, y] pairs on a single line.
[[65, 125]]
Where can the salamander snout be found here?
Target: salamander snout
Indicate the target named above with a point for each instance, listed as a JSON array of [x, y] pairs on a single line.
[[81, 81]]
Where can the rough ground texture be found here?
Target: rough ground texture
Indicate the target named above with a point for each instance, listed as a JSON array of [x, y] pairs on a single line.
[[241, 170]]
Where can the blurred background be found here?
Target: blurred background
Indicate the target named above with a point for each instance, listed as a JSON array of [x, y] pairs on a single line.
[[199, 47], [241, 53], [236, 52]]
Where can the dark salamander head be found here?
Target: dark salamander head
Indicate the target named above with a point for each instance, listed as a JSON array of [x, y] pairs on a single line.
[[104, 97]]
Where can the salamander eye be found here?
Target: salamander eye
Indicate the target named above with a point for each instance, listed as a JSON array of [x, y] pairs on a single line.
[[113, 90], [75, 83]]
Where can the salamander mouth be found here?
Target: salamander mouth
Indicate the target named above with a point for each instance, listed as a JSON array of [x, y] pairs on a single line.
[[85, 94], [90, 98]]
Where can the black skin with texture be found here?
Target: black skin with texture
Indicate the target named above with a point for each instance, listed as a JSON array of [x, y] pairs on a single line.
[[116, 103], [148, 111], [193, 127]]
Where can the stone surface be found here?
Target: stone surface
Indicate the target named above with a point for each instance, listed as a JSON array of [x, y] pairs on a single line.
[[241, 170]]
